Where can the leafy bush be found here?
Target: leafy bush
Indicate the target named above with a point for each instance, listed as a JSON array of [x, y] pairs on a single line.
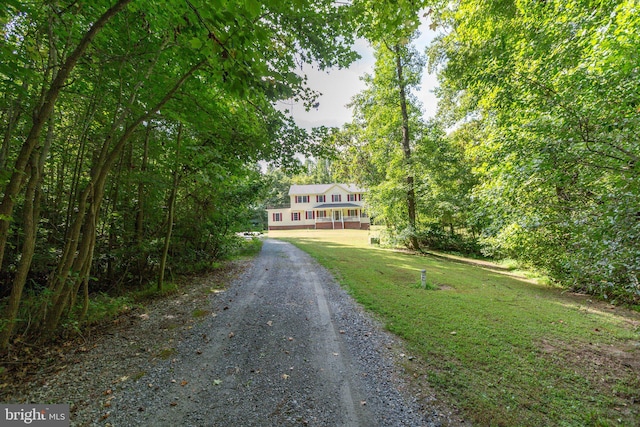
[[434, 237]]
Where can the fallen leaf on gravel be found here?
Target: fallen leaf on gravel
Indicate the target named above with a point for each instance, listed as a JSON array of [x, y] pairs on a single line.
[[108, 392], [144, 316], [270, 323], [342, 332], [290, 338], [173, 381], [231, 335], [198, 351], [184, 383], [173, 403], [285, 376], [217, 382]]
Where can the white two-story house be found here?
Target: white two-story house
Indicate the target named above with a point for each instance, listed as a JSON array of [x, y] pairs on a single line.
[[321, 206]]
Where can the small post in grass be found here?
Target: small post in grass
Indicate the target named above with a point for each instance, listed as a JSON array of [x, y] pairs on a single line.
[[423, 276]]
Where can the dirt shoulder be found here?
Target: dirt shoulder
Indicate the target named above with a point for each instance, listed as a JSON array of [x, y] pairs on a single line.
[[85, 370]]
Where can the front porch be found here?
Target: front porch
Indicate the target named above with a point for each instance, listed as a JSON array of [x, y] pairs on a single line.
[[337, 220]]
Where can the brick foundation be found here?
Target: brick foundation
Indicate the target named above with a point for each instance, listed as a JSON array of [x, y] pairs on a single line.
[[323, 226]]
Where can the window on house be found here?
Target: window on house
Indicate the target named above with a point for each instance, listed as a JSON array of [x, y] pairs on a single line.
[[354, 197], [277, 217], [321, 199], [352, 212], [336, 197], [302, 199], [295, 216], [309, 215], [322, 214]]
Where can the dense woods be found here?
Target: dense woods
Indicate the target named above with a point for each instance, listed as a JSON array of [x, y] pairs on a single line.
[[132, 132], [534, 152], [548, 97]]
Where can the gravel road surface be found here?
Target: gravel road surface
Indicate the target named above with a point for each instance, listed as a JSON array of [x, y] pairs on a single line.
[[287, 346]]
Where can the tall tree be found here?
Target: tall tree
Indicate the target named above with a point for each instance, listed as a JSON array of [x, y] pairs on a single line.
[[116, 74], [388, 117], [40, 117]]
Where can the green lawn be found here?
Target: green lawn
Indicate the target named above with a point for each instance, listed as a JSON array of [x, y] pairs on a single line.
[[505, 350]]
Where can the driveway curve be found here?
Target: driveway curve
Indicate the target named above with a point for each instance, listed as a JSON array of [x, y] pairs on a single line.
[[287, 346]]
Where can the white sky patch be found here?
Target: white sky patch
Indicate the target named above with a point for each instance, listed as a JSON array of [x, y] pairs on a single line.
[[339, 86]]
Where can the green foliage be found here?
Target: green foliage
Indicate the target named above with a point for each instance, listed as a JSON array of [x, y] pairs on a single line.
[[150, 291], [198, 313], [434, 237], [431, 169], [103, 307], [547, 86], [106, 156], [248, 248]]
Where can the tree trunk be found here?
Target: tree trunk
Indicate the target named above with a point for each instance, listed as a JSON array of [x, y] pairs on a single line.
[[170, 214], [78, 254], [31, 217], [143, 168], [13, 115], [406, 148], [113, 235], [40, 117], [28, 249]]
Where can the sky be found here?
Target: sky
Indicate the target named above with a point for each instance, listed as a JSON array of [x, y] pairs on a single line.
[[339, 86]]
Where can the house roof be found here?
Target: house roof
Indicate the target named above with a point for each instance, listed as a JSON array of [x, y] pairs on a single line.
[[322, 188], [337, 205]]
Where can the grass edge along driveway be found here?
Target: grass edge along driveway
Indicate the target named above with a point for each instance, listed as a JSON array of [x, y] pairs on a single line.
[[505, 350]]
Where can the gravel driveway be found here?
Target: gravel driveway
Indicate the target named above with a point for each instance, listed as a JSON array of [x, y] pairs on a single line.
[[286, 347]]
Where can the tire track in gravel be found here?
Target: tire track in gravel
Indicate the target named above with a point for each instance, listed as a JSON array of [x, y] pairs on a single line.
[[274, 355]]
